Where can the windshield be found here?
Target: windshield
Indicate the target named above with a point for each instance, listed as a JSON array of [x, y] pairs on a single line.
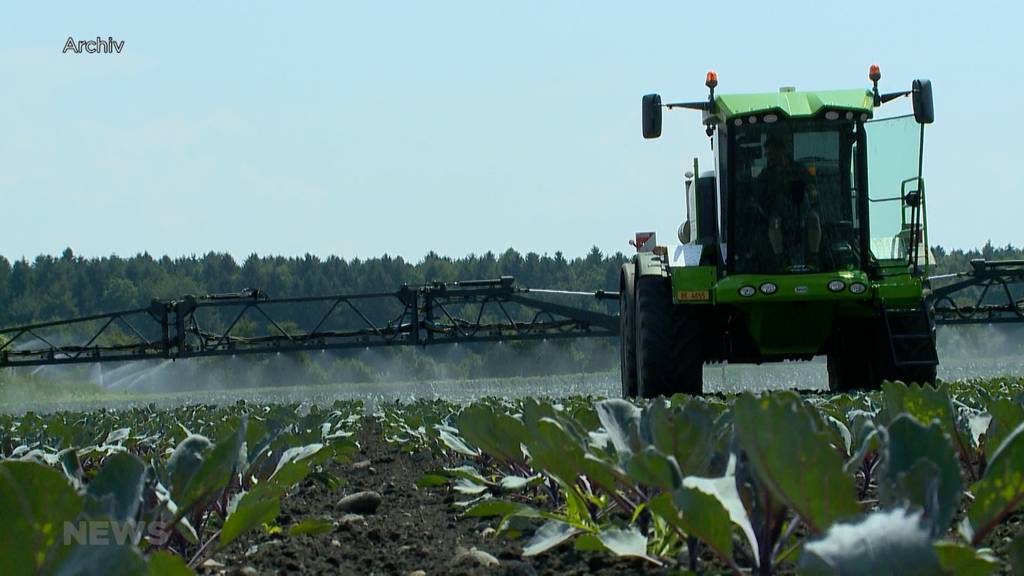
[[794, 198]]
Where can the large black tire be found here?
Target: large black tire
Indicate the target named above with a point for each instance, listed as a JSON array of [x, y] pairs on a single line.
[[669, 356], [850, 370], [864, 361], [912, 374], [627, 331], [854, 365]]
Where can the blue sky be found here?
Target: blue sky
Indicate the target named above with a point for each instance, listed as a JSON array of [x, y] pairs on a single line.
[[359, 129]]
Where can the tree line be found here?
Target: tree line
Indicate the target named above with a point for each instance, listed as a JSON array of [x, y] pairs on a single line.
[[52, 288]]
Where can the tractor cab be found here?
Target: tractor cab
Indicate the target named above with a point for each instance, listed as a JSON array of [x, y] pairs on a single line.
[[809, 182]]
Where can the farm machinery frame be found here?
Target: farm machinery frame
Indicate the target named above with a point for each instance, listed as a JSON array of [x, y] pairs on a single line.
[[808, 238]]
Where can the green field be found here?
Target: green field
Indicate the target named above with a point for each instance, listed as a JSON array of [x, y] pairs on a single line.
[[925, 479]]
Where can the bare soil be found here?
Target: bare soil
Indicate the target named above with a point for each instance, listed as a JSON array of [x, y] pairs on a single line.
[[414, 529]]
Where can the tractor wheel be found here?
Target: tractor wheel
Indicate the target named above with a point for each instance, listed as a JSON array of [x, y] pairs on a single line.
[[915, 374], [864, 362], [855, 365], [669, 357], [627, 331], [850, 370]]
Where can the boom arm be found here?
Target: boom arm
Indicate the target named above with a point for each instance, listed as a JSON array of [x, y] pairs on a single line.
[[473, 311], [991, 287], [438, 313]]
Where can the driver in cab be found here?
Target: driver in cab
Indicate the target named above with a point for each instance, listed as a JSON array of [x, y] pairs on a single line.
[[788, 199]]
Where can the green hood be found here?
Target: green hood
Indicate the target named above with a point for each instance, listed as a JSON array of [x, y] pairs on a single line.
[[793, 104]]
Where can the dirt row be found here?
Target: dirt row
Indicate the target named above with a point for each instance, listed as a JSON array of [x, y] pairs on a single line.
[[412, 532]]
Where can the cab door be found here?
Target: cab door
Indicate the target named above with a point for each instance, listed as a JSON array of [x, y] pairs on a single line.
[[897, 234]]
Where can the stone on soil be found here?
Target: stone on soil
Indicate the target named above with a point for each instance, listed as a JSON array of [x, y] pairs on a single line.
[[360, 503], [474, 557]]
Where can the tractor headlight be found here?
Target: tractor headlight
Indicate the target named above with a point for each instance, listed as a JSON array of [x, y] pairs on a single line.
[[858, 288], [836, 286], [747, 291], [768, 288]]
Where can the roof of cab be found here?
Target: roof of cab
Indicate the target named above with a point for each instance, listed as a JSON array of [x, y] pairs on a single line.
[[793, 104]]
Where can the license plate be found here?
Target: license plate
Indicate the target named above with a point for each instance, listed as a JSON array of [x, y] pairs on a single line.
[[691, 295]]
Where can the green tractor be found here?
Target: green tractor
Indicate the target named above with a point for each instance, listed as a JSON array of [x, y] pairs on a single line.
[[809, 238]]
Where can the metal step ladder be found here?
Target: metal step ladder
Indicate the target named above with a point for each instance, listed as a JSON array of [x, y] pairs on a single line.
[[911, 336]]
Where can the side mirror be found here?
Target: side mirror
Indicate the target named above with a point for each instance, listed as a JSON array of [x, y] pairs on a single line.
[[652, 116], [924, 111]]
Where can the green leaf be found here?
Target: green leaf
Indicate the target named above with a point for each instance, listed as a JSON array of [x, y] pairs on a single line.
[[293, 466], [686, 432], [588, 542], [290, 474], [490, 508], [109, 558], [724, 490], [550, 534], [920, 467], [431, 480], [260, 505], [467, 473], [601, 473], [162, 563], [1000, 491], [794, 458], [555, 451], [185, 461], [116, 436], [841, 433], [464, 486], [455, 443], [697, 514], [185, 529], [499, 435], [71, 465], [296, 454], [978, 422], [36, 502], [621, 420], [214, 472], [629, 542], [1006, 415], [925, 404], [576, 511], [514, 483], [652, 468], [964, 561], [116, 491], [867, 445], [890, 542], [506, 510], [311, 526]]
